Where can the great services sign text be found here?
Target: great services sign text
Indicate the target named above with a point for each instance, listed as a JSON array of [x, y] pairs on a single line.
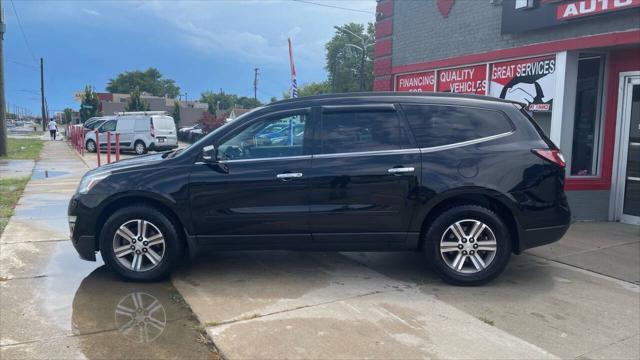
[[530, 81]]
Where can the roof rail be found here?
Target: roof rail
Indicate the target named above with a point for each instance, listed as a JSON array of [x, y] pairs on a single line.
[[121, 113]]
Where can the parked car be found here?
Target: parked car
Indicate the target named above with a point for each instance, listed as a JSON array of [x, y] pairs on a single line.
[[183, 133], [94, 122], [467, 180], [195, 135], [139, 131]]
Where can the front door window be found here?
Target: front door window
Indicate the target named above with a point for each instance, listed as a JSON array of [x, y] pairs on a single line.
[[267, 138]]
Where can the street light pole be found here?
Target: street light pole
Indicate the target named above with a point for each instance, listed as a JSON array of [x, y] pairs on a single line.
[[363, 49]]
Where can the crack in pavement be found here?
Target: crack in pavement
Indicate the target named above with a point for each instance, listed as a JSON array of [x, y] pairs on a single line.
[[257, 316], [610, 277], [76, 335]]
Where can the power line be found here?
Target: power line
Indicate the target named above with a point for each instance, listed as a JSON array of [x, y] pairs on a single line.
[[22, 31], [22, 64], [333, 6]]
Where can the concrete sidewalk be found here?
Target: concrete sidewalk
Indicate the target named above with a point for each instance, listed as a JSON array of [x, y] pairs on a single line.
[[390, 305]]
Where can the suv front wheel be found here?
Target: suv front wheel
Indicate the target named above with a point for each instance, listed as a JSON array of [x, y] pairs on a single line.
[[140, 243], [468, 245]]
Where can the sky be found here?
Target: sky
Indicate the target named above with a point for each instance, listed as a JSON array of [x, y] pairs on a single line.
[[202, 45]]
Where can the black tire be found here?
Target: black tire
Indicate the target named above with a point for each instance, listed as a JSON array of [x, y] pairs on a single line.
[[90, 145], [139, 147], [440, 228], [173, 244]]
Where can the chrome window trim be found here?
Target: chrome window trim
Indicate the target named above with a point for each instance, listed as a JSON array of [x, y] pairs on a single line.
[[464, 143], [297, 157], [367, 153]]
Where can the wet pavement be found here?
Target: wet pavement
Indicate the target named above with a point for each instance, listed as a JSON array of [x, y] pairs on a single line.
[[54, 305], [16, 168]]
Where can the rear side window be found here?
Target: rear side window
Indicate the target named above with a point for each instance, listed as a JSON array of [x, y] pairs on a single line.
[[354, 131], [436, 125], [163, 123]]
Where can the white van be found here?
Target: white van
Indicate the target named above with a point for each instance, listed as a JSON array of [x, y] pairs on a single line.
[[139, 131]]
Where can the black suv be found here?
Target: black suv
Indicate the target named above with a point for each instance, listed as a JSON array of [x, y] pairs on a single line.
[[466, 179]]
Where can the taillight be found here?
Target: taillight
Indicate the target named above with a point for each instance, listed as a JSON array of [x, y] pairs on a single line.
[[555, 156], [153, 130]]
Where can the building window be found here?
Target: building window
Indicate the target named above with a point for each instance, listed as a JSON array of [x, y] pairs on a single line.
[[585, 152]]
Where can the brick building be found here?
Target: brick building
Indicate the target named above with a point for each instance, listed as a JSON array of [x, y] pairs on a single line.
[[575, 63]]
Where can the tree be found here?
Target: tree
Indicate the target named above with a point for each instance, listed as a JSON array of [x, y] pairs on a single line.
[[149, 81], [273, 99], [176, 112], [211, 122], [68, 116], [310, 89], [135, 102], [89, 104], [349, 67], [222, 100]]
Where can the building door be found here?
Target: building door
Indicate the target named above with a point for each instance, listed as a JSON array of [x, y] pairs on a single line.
[[628, 179]]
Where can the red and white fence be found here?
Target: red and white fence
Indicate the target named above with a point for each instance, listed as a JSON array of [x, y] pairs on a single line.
[[76, 136]]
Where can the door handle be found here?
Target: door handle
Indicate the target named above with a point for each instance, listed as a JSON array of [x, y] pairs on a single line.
[[285, 176], [401, 170]]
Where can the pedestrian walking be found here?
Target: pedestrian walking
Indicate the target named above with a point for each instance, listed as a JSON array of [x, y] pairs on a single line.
[[53, 128]]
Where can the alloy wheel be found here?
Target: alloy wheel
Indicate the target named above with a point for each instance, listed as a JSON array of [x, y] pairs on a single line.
[[139, 148], [138, 245], [468, 246], [91, 146]]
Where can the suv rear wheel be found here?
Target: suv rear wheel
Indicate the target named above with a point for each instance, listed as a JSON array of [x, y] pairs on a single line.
[[140, 243], [139, 147], [468, 245]]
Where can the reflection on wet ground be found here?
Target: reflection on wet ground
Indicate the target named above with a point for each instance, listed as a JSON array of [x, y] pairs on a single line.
[[39, 174], [63, 300], [55, 305]]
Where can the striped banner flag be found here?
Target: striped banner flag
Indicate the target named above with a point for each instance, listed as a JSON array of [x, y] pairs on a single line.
[[294, 82]]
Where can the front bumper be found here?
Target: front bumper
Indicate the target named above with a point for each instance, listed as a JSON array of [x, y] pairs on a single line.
[[81, 228]]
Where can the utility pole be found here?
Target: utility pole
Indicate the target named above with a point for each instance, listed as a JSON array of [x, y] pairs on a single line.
[[44, 113], [255, 83], [3, 108]]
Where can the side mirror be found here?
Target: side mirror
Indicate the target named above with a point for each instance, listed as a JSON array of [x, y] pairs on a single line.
[[209, 154]]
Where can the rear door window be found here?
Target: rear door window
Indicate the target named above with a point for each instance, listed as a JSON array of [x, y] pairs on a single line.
[[163, 123], [357, 131], [437, 125]]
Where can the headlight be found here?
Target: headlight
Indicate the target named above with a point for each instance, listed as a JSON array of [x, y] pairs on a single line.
[[90, 180]]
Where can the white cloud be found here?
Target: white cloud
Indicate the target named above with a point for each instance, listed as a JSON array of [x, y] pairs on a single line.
[[91, 12], [256, 31]]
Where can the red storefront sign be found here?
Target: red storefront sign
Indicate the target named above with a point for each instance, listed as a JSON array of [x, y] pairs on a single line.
[[530, 81], [469, 80], [422, 81], [581, 8]]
